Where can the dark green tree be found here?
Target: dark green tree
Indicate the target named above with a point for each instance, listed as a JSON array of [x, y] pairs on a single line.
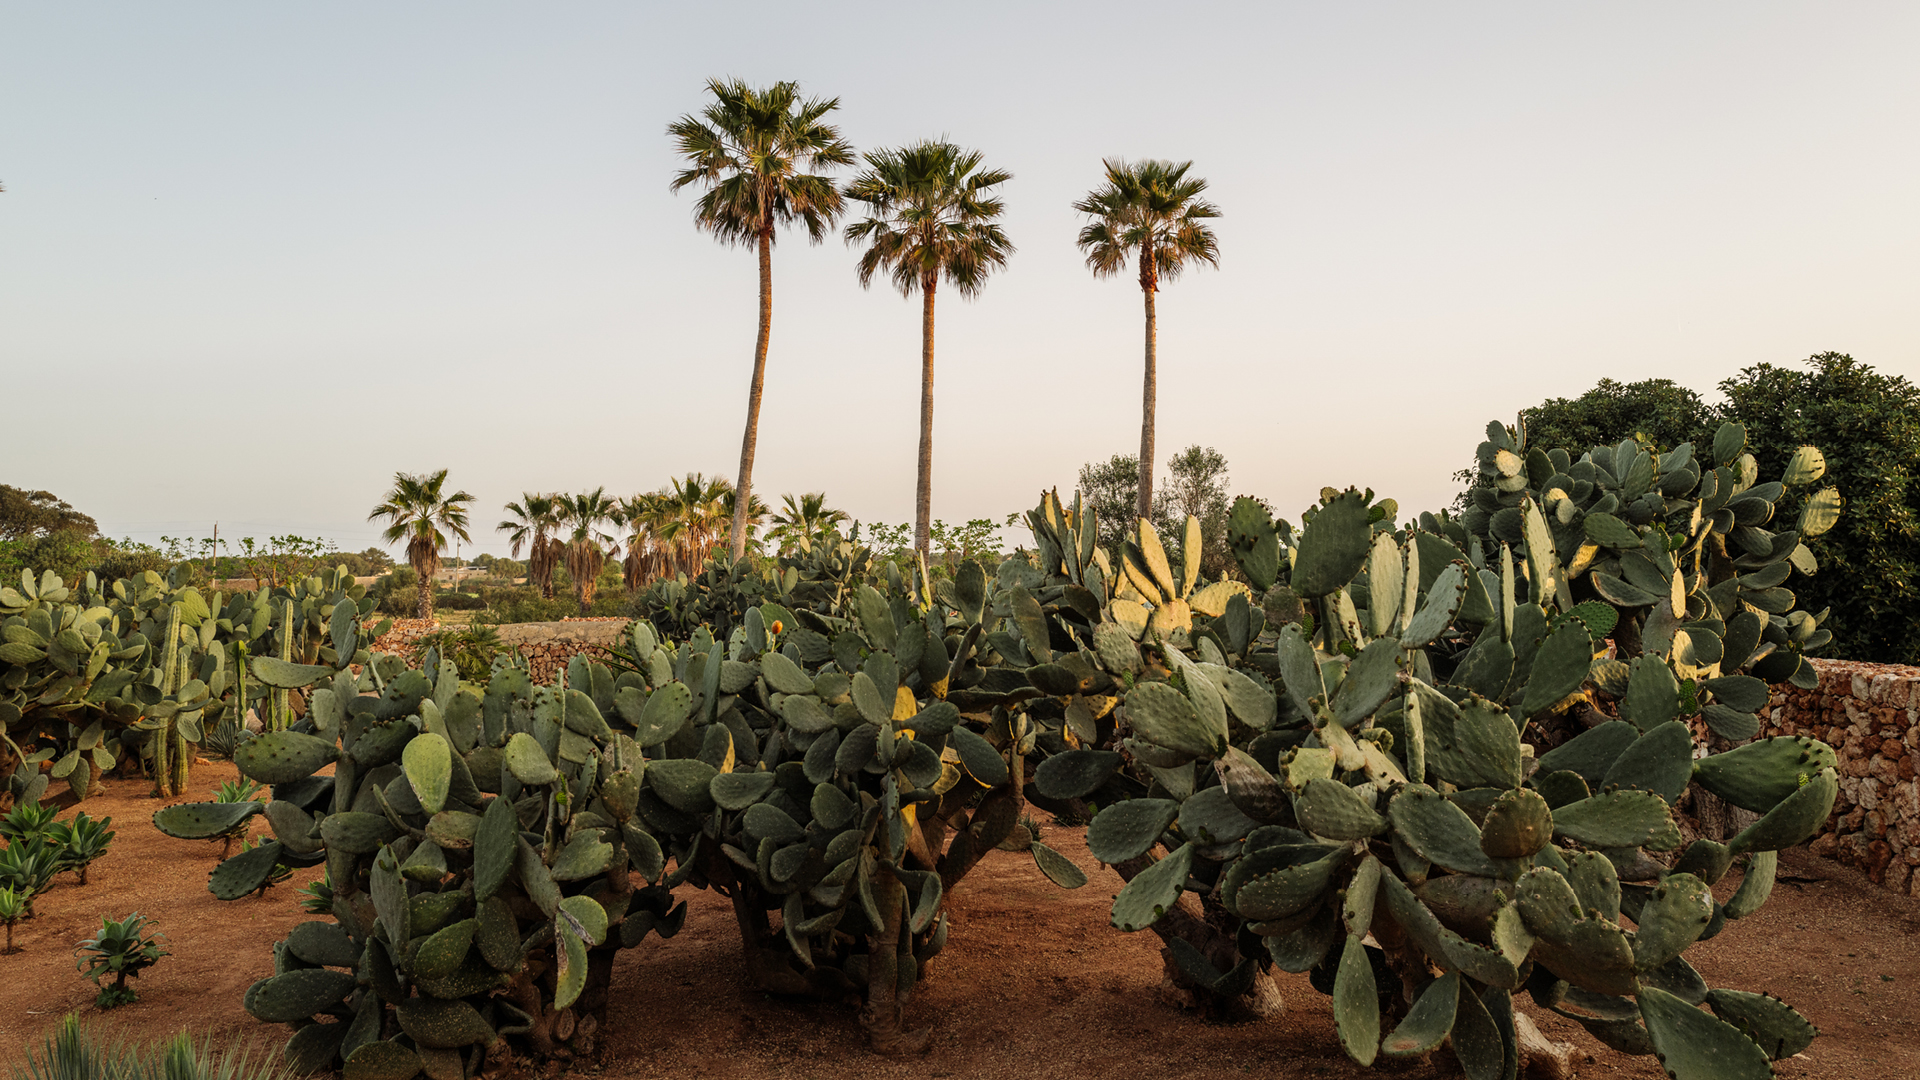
[[25, 513], [1868, 426]]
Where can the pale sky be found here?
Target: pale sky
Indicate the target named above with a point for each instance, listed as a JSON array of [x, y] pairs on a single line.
[[255, 258]]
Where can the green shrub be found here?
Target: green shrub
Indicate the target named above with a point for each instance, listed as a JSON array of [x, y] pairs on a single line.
[[81, 842], [524, 606], [122, 949], [14, 906], [401, 603]]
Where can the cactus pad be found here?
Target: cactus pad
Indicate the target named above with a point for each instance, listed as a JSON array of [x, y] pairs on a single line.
[[1331, 809], [1696, 1046], [297, 995], [1759, 775], [1153, 891], [282, 757], [1127, 830], [203, 821], [1165, 717]]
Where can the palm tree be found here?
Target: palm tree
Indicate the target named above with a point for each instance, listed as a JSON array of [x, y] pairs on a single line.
[[800, 523], [417, 509], [586, 515], [754, 151], [930, 215], [531, 525], [646, 555], [1154, 209]]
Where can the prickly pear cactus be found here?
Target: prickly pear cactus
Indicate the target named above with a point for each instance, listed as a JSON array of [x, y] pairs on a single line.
[[1337, 780], [481, 844], [91, 674]]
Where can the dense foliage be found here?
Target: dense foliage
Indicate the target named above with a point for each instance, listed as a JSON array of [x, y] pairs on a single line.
[[1868, 425]]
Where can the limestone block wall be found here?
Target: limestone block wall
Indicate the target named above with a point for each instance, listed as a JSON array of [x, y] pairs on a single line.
[[547, 646], [1870, 715]]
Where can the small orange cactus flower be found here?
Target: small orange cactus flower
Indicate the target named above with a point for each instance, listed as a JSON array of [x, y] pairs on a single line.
[[776, 626]]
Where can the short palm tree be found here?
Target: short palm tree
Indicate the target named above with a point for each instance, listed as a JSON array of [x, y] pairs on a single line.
[[757, 152], [1150, 212], [419, 511], [801, 522], [646, 556], [586, 516], [930, 215], [531, 525]]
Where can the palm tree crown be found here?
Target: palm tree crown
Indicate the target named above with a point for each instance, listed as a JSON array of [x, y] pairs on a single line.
[[586, 515], [754, 151], [801, 522], [531, 524], [758, 152], [417, 509], [1150, 211], [930, 215]]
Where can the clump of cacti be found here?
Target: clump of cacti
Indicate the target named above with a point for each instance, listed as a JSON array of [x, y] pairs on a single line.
[[1341, 772], [94, 673], [1325, 768]]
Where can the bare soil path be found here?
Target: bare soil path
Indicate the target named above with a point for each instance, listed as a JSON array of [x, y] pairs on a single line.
[[1033, 982]]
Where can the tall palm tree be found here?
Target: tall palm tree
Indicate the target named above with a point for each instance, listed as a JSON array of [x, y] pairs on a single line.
[[586, 515], [1150, 212], [417, 509], [756, 151], [930, 214], [800, 523], [531, 524]]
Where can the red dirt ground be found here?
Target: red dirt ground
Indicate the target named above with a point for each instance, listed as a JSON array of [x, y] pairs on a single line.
[[1033, 981]]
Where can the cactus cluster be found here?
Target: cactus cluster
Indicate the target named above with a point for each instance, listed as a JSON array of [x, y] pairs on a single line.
[[90, 674], [1323, 769], [1340, 774]]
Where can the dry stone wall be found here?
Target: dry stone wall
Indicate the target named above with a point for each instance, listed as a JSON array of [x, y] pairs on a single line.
[[547, 646], [1870, 715]]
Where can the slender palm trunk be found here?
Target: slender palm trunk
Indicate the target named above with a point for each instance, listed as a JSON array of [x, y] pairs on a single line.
[[923, 495], [1148, 392], [744, 487]]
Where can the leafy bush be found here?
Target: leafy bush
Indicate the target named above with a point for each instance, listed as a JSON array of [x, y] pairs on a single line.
[[458, 601], [472, 649], [1868, 425], [122, 949], [81, 842], [525, 605], [401, 601], [14, 906], [28, 868]]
